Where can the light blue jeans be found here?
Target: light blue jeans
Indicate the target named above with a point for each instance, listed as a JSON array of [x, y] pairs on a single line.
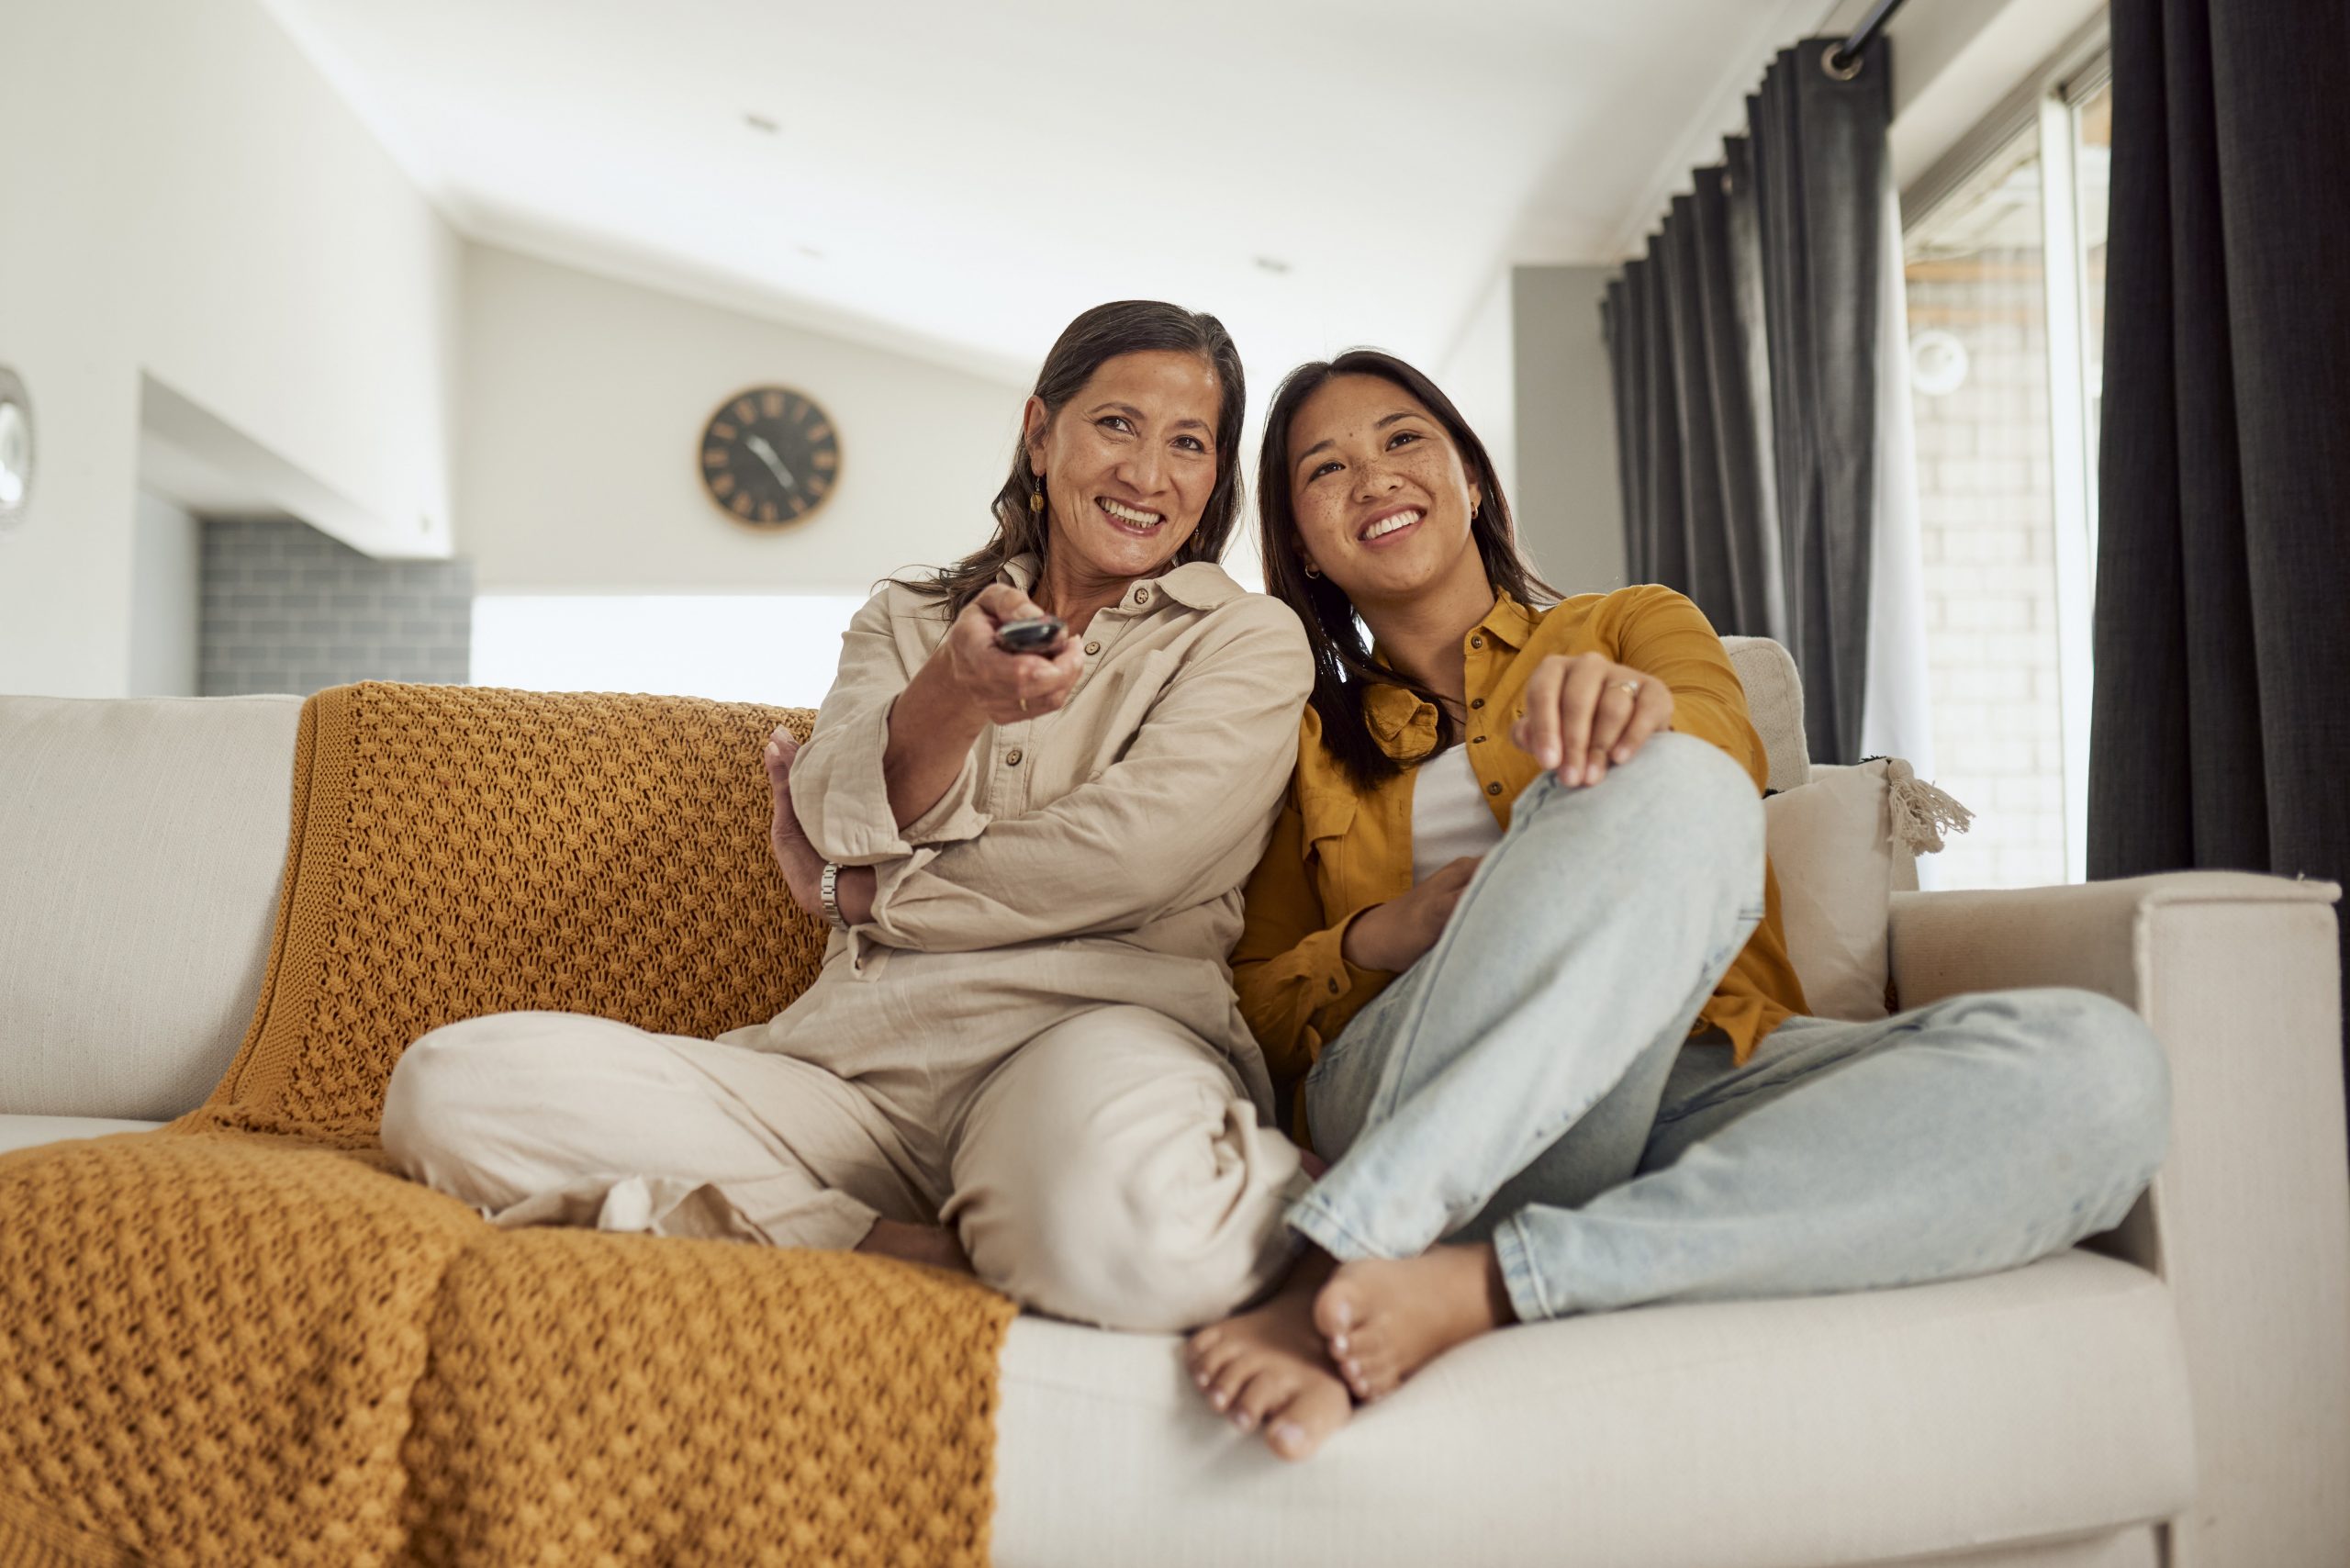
[[1531, 1080]]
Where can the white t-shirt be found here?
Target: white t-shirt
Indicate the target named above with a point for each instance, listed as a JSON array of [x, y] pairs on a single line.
[[1450, 816]]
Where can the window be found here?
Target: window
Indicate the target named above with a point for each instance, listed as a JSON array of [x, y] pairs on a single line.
[[2004, 273], [781, 648]]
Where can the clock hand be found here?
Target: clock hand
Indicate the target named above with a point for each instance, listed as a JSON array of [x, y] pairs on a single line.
[[765, 454]]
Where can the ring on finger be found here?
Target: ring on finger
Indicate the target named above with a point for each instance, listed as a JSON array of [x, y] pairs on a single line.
[[1024, 705], [1629, 687]]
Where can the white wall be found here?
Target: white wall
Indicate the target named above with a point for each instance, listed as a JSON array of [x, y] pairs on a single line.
[[1477, 377], [186, 197], [165, 560], [1570, 508], [585, 402]]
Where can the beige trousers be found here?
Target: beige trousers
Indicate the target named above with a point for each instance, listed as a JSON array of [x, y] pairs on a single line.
[[1110, 1170]]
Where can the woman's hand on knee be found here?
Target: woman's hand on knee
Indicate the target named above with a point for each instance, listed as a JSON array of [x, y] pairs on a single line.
[[1393, 935], [1006, 688], [1585, 711]]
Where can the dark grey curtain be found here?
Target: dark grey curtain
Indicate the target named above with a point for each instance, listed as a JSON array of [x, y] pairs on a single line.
[[2221, 721], [1744, 347]]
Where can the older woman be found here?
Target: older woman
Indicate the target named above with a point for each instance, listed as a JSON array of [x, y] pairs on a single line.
[[1517, 942], [1023, 1055]]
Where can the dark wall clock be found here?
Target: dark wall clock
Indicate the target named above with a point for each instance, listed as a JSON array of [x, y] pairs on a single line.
[[769, 458]]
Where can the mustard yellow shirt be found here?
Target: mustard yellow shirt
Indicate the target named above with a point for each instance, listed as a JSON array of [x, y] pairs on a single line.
[[1337, 851]]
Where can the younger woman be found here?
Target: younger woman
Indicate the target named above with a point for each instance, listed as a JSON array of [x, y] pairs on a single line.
[[1517, 936]]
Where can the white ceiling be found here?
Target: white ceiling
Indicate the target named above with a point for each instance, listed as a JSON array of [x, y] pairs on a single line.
[[959, 179]]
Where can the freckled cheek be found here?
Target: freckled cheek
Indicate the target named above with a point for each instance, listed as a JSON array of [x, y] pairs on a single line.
[[1321, 532], [1439, 474]]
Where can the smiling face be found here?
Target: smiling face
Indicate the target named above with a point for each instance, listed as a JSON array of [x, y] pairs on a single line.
[[1382, 497], [1129, 463]]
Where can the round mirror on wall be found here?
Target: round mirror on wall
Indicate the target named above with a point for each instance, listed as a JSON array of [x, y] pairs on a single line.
[[15, 447]]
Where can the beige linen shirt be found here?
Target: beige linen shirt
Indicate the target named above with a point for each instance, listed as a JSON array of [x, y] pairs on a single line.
[[1084, 858]]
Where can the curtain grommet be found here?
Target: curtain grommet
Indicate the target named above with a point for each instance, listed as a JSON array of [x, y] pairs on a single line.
[[1843, 73]]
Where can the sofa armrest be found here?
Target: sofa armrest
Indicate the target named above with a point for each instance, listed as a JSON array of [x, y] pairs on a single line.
[[2249, 1220]]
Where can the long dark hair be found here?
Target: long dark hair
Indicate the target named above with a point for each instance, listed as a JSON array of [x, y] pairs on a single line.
[[1100, 334], [1343, 671]]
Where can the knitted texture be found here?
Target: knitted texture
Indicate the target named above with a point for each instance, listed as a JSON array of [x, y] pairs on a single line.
[[465, 850], [209, 1347], [243, 1340], [742, 1405]]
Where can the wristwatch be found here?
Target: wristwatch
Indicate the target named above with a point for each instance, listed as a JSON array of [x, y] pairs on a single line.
[[829, 891]]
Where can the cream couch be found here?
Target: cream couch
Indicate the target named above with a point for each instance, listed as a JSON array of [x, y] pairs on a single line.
[[2177, 1394]]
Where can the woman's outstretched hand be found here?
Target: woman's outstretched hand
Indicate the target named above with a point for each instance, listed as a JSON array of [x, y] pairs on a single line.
[[967, 684], [997, 683], [1587, 711], [1392, 936]]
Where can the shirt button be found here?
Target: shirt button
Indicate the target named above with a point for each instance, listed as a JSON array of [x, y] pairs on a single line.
[[1476, 702], [1334, 987], [1476, 642], [1478, 740], [1092, 647], [1012, 757], [1492, 788], [1142, 596]]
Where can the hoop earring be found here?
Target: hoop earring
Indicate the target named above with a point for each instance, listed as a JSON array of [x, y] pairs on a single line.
[[1037, 498], [1312, 570]]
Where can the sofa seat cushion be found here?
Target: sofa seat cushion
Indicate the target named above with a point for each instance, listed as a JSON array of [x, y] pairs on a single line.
[[23, 1132], [2042, 1403]]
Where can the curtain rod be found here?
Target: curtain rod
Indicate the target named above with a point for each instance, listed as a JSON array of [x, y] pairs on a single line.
[[1844, 59]]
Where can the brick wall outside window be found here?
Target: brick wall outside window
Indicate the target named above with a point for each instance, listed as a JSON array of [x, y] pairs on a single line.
[[1989, 568]]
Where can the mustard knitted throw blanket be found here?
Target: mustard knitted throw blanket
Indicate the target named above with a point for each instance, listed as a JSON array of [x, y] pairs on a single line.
[[241, 1340]]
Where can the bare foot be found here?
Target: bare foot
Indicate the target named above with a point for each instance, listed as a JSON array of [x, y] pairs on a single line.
[[802, 865], [1265, 1368], [1384, 1319], [932, 1244]]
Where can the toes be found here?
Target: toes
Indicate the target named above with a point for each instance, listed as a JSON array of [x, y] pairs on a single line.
[[1291, 1439], [1294, 1430], [1267, 1387], [1368, 1365], [1337, 1314], [1229, 1387], [1224, 1384], [1213, 1360]]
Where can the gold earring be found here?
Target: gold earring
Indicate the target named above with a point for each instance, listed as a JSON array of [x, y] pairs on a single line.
[[1312, 570], [1037, 498]]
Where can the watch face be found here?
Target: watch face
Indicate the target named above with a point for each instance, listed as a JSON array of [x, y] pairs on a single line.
[[770, 456]]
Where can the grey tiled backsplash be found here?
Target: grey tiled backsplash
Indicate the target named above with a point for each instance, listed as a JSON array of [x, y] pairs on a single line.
[[287, 609]]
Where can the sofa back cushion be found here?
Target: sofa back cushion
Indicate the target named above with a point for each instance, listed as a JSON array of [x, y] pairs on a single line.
[[141, 846], [1840, 862], [465, 850], [1774, 703]]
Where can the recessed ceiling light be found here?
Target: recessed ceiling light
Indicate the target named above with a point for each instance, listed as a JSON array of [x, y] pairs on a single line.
[[760, 122], [1273, 265]]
